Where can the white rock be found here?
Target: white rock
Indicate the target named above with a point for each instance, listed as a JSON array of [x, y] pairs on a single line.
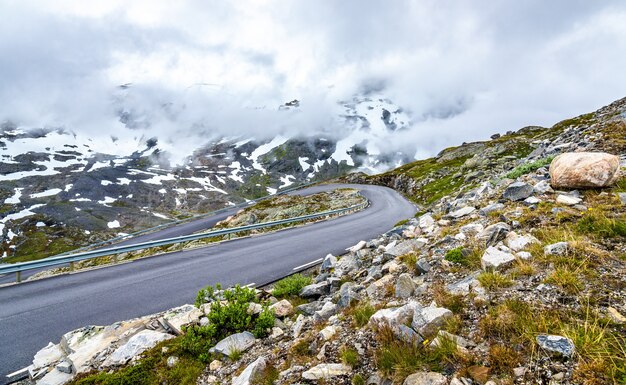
[[471, 229], [559, 248], [394, 315], [568, 200], [532, 200], [55, 377], [426, 221], [137, 344], [282, 308], [326, 371], [542, 188], [357, 247], [426, 378], [47, 356], [178, 317], [328, 332], [496, 259], [462, 212], [517, 242]]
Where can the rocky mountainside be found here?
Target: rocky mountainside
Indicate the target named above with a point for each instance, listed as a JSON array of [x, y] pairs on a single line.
[[513, 273], [60, 190]]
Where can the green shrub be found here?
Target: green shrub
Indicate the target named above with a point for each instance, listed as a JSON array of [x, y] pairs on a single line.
[[228, 315], [455, 255], [349, 356], [291, 286], [524, 169]]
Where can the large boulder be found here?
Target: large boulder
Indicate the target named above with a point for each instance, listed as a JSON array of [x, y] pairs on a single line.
[[584, 170]]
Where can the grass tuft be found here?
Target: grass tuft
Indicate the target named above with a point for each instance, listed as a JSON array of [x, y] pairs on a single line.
[[291, 286]]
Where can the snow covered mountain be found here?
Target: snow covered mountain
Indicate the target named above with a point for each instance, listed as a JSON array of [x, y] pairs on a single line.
[[60, 189]]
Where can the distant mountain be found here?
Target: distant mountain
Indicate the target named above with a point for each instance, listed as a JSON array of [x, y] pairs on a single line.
[[60, 189]]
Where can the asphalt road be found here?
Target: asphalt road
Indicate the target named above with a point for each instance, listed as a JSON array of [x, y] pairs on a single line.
[[34, 313]]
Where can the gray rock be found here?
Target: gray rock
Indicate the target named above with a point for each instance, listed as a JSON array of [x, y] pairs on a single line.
[[298, 325], [491, 208], [404, 248], [517, 242], [461, 212], [137, 344], [405, 287], [558, 345], [328, 263], [315, 290], [422, 266], [471, 229], [47, 357], [493, 234], [250, 372], [542, 187], [559, 248], [406, 334], [328, 310], [622, 197], [239, 342], [282, 308], [309, 308], [326, 371], [426, 378], [346, 265], [518, 191], [178, 317], [496, 259], [65, 367], [395, 315], [348, 295]]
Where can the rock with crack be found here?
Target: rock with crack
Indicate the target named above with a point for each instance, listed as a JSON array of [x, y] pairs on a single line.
[[496, 258], [427, 321], [326, 372], [584, 170], [137, 344], [557, 345], [493, 234], [235, 343], [251, 372]]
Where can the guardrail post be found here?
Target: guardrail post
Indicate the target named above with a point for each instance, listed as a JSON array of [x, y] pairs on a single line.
[[18, 276], [72, 266]]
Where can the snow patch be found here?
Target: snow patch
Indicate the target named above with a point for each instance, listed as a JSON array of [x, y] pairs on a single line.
[[264, 149], [47, 193], [113, 224], [15, 199]]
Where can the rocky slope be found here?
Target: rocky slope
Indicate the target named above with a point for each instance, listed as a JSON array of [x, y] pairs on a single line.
[[509, 275], [60, 190]]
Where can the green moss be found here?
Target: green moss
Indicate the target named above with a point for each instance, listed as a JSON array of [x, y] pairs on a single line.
[[529, 167]]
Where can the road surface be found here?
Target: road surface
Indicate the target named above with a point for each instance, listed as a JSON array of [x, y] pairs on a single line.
[[36, 312]]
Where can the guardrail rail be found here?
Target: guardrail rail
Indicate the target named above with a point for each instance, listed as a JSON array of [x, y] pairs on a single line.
[[17, 268]]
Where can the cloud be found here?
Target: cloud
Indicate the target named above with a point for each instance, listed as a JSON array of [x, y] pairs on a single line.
[[204, 69]]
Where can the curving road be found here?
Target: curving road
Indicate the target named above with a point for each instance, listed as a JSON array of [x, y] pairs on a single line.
[[34, 313]]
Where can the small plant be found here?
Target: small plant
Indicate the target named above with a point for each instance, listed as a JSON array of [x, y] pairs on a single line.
[[401, 223], [494, 280], [524, 169], [235, 355], [600, 225], [349, 356], [361, 313], [503, 359], [301, 348], [358, 379], [410, 260], [455, 255], [566, 280], [455, 303], [291, 286]]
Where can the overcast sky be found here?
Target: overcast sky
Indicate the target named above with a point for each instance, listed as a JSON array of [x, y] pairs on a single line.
[[463, 69]]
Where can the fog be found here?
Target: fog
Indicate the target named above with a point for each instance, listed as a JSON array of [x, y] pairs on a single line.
[[200, 70]]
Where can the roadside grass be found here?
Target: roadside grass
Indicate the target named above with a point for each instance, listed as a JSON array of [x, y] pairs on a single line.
[[360, 313], [565, 279], [291, 286]]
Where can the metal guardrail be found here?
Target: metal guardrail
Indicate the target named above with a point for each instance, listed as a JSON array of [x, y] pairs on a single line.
[[72, 258], [192, 218]]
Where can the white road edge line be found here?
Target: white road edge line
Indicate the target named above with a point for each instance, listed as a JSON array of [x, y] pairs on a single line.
[[250, 285], [17, 372], [308, 264]]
